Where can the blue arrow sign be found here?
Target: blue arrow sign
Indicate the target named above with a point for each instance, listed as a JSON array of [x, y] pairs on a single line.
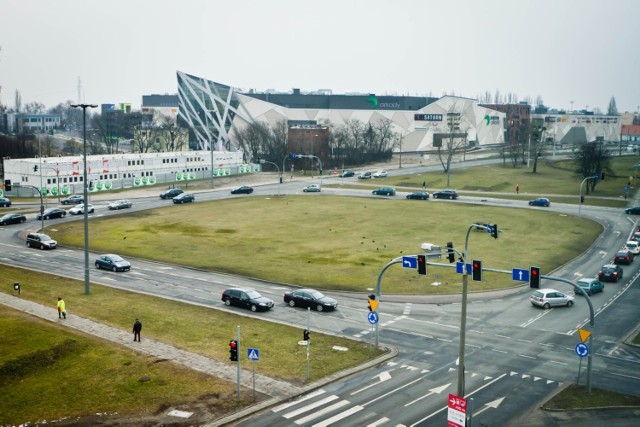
[[459, 268], [373, 317], [409, 262], [582, 350], [520, 275], [253, 354]]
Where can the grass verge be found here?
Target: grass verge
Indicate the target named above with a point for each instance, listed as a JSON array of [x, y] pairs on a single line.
[[576, 397]]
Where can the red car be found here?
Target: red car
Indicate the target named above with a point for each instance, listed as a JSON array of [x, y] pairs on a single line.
[[623, 257]]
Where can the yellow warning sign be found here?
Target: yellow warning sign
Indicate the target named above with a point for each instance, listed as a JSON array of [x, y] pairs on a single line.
[[373, 304], [584, 334]]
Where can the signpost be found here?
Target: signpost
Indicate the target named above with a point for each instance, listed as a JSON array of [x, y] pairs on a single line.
[[253, 354], [457, 416]]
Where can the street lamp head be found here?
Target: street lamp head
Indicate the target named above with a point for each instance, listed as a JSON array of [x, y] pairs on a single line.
[[262, 161], [429, 247]]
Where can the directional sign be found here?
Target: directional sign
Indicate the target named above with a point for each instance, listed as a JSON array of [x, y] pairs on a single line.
[[253, 354], [373, 317], [457, 416], [520, 275], [584, 334], [409, 262], [582, 350], [459, 268]]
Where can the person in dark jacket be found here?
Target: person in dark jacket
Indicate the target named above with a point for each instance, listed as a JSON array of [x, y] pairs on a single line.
[[137, 328]]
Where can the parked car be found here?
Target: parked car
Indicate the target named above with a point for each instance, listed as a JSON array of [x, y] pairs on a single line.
[[112, 262], [42, 241], [381, 174], [73, 200], [170, 194], [347, 174], [419, 195], [541, 201], [310, 298], [446, 194], [634, 210], [365, 175], [246, 299], [313, 188], [52, 213], [590, 286], [119, 204], [12, 218], [79, 209], [547, 298], [610, 273], [384, 191], [184, 198], [4, 202], [633, 247], [245, 189], [623, 257]]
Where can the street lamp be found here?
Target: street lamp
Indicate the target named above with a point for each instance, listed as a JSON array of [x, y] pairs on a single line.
[[263, 161], [85, 194]]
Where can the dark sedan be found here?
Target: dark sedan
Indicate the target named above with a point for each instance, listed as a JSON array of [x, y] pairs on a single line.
[[347, 174], [4, 202], [542, 201], [420, 195], [12, 218], [184, 198], [52, 213], [635, 210], [72, 200], [310, 298], [112, 262], [623, 257], [446, 194], [245, 189], [246, 299]]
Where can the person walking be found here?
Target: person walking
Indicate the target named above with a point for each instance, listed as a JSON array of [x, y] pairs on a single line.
[[517, 188], [137, 328], [424, 185], [62, 310]]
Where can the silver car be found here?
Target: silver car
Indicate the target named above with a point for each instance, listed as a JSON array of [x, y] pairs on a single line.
[[547, 298]]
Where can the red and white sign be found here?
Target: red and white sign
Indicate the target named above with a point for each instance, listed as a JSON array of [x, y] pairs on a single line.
[[457, 411]]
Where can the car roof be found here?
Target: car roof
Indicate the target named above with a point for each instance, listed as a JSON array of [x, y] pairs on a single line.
[[547, 290], [611, 266]]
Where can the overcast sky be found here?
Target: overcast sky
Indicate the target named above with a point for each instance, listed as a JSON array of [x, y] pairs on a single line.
[[576, 53]]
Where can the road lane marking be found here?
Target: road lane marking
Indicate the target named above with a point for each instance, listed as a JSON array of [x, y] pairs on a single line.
[[295, 402], [322, 412], [310, 406], [338, 417]]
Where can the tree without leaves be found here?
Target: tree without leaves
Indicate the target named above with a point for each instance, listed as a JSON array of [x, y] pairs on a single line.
[[612, 109], [591, 158]]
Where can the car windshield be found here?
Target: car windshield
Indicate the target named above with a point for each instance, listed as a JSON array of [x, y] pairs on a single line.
[[116, 258], [45, 238], [316, 294], [253, 294]]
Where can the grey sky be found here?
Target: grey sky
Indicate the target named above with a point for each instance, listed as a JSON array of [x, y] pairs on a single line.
[[561, 50]]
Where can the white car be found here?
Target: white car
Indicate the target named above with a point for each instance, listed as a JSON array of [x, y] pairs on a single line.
[[381, 174], [79, 209], [547, 298], [633, 247]]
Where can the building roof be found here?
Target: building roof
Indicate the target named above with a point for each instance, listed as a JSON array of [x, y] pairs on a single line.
[[630, 129]]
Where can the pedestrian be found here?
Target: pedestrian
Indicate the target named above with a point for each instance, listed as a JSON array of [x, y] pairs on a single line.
[[137, 328], [62, 310], [517, 188], [424, 185]]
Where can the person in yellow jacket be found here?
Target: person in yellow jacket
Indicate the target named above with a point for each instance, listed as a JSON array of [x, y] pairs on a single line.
[[62, 311]]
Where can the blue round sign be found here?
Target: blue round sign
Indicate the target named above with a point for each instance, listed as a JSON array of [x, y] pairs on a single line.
[[373, 317], [582, 350]]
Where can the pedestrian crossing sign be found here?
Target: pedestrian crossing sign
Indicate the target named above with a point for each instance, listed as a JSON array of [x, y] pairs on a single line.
[[253, 354]]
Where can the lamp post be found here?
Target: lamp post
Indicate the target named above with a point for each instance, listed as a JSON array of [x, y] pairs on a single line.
[[263, 161], [85, 194]]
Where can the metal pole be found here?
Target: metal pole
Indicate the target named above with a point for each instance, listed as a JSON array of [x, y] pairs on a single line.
[[238, 363], [40, 189], [308, 343], [379, 288], [263, 161], [463, 316]]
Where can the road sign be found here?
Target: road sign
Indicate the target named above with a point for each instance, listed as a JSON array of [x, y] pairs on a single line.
[[584, 334], [253, 354], [457, 416], [373, 317], [459, 268], [409, 262], [582, 350], [373, 304], [520, 275]]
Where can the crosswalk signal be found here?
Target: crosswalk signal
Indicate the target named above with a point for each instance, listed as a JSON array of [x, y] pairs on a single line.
[[494, 230], [7, 185], [233, 350], [422, 265], [534, 277], [451, 253], [305, 335], [476, 270]]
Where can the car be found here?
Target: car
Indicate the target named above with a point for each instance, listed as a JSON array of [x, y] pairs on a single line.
[[547, 298], [446, 194], [623, 257], [245, 189], [610, 273], [171, 193], [381, 174], [112, 262], [119, 204], [42, 241], [347, 174], [541, 201], [384, 191], [365, 175], [310, 298], [635, 237], [633, 247], [79, 209], [634, 210], [184, 198], [313, 188], [244, 298], [4, 202], [73, 200], [12, 218], [418, 195], [52, 213], [590, 286]]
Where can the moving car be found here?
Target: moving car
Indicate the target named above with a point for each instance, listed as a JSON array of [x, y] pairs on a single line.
[[246, 299], [635, 210], [4, 202], [184, 198], [541, 201], [112, 262], [384, 191], [170, 194], [419, 195], [633, 247], [365, 175], [42, 241], [12, 218], [73, 200], [245, 189], [347, 174], [381, 174], [313, 188], [590, 286], [52, 213], [610, 273], [310, 298], [79, 209], [119, 204], [547, 298], [446, 194], [623, 257]]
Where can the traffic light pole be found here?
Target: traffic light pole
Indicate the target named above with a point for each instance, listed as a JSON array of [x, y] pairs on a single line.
[[308, 343], [238, 362]]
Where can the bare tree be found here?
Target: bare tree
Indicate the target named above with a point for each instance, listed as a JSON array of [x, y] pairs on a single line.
[[536, 144], [72, 147], [591, 159], [145, 139], [612, 110], [455, 142], [18, 103], [34, 108]]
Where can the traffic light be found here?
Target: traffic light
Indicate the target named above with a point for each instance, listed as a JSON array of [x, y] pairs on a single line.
[[476, 270], [601, 176], [581, 199], [7, 185], [305, 335], [422, 265], [534, 277], [233, 350], [451, 254], [35, 168], [494, 230]]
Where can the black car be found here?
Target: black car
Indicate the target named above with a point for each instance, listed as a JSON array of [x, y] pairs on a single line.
[[12, 218], [4, 202], [623, 257], [52, 213], [310, 298], [42, 241], [170, 194], [112, 262], [446, 194], [347, 174], [184, 198], [245, 189], [246, 299], [610, 273], [419, 195], [635, 210], [384, 191], [72, 200]]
